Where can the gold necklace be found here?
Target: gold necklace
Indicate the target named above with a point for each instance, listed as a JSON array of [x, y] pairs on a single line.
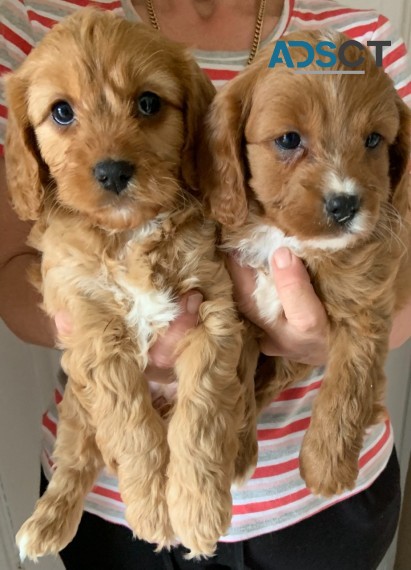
[[257, 30]]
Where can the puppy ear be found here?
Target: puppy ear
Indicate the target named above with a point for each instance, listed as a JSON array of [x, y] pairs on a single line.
[[24, 166], [223, 162], [199, 94], [399, 153]]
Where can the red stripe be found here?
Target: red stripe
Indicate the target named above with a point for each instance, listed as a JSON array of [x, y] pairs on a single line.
[[49, 424], [267, 505], [297, 393], [3, 111], [276, 433], [57, 396], [359, 31], [104, 6], [395, 55], [366, 458], [102, 491], [223, 74], [43, 20], [4, 69], [278, 469], [290, 14], [404, 91], [309, 16], [16, 40]]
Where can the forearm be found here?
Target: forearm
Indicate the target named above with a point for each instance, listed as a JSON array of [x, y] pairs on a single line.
[[19, 303]]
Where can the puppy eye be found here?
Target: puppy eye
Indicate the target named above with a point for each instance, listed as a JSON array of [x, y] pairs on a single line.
[[373, 140], [62, 113], [289, 141], [148, 103]]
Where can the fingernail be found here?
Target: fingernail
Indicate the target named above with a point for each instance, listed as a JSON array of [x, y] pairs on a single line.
[[193, 303], [282, 258]]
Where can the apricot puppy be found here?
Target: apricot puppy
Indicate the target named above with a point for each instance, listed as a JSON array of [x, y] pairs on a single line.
[[100, 153], [318, 163]]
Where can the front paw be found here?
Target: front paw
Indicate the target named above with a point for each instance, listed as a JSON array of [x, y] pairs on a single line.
[[199, 516], [149, 520], [328, 466], [47, 531]]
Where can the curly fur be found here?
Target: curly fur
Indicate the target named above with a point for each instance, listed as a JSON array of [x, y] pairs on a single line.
[[266, 198], [118, 263]]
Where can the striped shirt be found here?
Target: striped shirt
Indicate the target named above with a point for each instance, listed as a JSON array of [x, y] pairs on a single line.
[[276, 496]]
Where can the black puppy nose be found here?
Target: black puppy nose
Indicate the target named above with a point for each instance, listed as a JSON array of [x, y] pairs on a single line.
[[113, 175], [342, 207]]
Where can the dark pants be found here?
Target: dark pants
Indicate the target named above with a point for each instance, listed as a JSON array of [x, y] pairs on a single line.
[[351, 535]]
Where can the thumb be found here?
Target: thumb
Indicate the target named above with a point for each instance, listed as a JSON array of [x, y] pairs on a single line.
[[302, 308]]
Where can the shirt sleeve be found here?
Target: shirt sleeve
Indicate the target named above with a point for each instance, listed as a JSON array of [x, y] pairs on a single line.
[[396, 60], [16, 42]]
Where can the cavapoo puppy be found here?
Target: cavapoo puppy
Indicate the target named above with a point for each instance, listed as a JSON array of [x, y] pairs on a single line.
[[101, 148], [318, 163]]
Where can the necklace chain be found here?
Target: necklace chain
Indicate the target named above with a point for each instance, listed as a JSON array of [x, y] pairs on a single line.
[[257, 30]]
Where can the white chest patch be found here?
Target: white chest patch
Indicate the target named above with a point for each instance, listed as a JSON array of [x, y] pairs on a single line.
[[255, 248], [150, 312]]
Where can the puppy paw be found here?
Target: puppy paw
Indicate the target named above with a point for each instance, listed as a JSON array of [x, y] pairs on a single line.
[[327, 469], [199, 517], [45, 533], [150, 521]]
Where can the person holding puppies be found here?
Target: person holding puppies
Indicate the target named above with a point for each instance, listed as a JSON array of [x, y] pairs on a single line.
[[277, 522]]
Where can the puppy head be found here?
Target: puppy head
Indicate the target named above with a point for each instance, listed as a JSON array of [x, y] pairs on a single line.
[[315, 155], [104, 117]]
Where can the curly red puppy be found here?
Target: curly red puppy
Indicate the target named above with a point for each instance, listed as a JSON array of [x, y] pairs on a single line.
[[318, 163], [101, 150]]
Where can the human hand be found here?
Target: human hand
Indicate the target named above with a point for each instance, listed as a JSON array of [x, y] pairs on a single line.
[[162, 354], [300, 334]]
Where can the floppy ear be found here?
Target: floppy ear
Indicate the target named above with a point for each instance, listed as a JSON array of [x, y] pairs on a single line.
[[223, 163], [199, 94], [400, 153], [24, 167]]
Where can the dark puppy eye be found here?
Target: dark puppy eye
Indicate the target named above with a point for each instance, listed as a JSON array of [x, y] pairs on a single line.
[[373, 140], [62, 113], [289, 141], [148, 103]]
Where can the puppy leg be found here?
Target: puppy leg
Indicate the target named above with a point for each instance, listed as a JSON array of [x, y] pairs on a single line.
[[246, 460], [203, 432], [348, 402], [77, 462], [132, 439]]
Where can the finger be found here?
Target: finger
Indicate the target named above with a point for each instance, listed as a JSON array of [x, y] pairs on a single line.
[[63, 322], [302, 308], [162, 354]]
